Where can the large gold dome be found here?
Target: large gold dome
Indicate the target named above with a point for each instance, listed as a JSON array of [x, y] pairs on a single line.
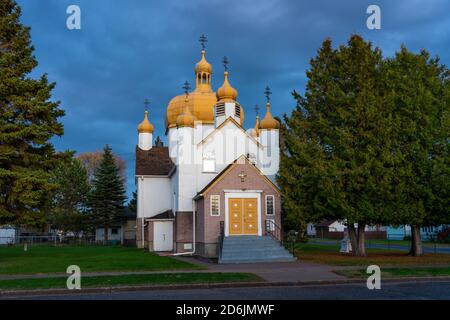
[[200, 104]]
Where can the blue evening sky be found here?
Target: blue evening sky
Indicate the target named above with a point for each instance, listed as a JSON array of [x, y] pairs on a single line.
[[130, 50]]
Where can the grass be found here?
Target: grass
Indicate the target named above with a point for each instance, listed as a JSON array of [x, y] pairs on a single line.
[[330, 255], [400, 272], [46, 259], [129, 280]]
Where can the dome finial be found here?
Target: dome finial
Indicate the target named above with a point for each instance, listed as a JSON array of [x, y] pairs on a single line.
[[269, 122], [145, 126], [186, 119], [226, 92]]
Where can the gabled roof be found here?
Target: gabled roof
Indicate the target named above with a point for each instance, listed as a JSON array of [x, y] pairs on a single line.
[[153, 162], [228, 168], [229, 119], [168, 214]]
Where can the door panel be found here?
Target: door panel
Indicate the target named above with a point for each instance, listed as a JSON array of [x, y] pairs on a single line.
[[235, 216], [250, 216], [162, 236], [243, 216]]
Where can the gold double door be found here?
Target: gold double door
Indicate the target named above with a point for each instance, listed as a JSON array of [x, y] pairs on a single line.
[[242, 216]]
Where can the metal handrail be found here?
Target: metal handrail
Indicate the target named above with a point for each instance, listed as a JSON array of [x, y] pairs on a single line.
[[221, 237], [275, 231]]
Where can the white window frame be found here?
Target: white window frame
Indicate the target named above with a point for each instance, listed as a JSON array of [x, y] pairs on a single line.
[[211, 204], [209, 158], [273, 205]]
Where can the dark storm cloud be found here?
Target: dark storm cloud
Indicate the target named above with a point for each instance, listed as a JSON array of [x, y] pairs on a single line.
[[129, 50]]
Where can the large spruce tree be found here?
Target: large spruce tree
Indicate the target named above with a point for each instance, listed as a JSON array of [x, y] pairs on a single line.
[[108, 193], [28, 120], [336, 161], [417, 91]]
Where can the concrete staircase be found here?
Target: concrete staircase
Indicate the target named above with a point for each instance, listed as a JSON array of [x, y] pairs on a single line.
[[252, 249]]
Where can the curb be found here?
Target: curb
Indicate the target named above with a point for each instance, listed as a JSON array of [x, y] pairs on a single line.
[[103, 290]]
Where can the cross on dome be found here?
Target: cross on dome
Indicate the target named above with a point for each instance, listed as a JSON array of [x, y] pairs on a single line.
[[256, 109], [146, 103], [186, 87], [267, 93], [203, 40], [225, 62]]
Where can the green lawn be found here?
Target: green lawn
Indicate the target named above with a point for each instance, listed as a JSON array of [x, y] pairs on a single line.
[[400, 272], [328, 254], [129, 280], [47, 259]]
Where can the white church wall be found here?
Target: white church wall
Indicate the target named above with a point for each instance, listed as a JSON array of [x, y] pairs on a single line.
[[145, 140], [154, 196]]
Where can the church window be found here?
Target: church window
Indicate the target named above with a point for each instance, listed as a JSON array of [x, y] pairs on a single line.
[[270, 204], [215, 205], [114, 231], [209, 162]]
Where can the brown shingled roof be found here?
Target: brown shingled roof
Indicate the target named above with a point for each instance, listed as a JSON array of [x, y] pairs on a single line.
[[155, 161]]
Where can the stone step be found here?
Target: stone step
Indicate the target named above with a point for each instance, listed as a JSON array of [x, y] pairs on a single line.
[[248, 249]]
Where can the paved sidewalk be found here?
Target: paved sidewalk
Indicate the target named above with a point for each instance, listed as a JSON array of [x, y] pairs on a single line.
[[296, 271]]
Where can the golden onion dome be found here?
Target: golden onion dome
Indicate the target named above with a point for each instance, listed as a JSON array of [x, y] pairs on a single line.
[[203, 66], [226, 93], [145, 126], [185, 119], [200, 105], [269, 122]]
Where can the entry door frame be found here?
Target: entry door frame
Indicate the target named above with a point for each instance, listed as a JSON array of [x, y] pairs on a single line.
[[243, 194]]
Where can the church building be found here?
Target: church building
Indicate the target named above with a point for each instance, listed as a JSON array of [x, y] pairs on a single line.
[[211, 191]]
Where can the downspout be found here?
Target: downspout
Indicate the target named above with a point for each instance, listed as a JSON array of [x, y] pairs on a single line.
[[193, 233]]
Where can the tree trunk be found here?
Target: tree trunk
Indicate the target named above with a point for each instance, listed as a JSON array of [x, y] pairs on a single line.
[[416, 242], [353, 238], [105, 232], [361, 239]]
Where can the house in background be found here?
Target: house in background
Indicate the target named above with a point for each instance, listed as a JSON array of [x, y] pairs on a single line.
[[8, 235], [124, 232], [334, 229]]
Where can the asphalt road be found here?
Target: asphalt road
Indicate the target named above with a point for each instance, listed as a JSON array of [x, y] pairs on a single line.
[[437, 290]]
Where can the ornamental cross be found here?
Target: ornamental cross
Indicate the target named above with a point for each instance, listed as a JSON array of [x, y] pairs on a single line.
[[203, 40], [186, 87], [225, 62], [146, 103], [242, 175], [256, 109], [267, 93]]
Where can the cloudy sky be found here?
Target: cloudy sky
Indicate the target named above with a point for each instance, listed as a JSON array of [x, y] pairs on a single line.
[[130, 50]]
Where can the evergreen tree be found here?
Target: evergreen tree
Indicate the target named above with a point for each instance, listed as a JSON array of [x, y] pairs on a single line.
[[418, 95], [108, 194], [132, 205], [70, 198], [28, 120], [335, 157]]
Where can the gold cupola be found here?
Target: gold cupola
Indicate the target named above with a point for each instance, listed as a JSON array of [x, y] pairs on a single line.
[[145, 126], [255, 131], [201, 101], [269, 122], [226, 93], [186, 119]]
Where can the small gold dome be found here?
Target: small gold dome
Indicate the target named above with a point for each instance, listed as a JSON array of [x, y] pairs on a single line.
[[255, 131], [226, 93], [145, 126], [269, 121], [185, 119], [203, 65]]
